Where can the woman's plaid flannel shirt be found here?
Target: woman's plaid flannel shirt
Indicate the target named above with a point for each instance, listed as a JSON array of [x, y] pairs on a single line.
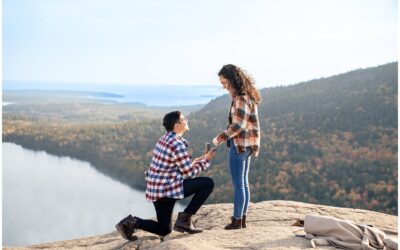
[[170, 165], [243, 126]]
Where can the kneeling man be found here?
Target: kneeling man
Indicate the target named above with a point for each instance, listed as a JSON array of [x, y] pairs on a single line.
[[171, 177]]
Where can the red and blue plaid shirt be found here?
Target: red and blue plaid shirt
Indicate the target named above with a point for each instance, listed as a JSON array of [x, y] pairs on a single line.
[[170, 165]]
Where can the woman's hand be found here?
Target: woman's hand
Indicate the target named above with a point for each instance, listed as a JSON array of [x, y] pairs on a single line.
[[217, 141]]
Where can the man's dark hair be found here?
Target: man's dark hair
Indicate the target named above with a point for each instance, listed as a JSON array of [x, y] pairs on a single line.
[[171, 119]]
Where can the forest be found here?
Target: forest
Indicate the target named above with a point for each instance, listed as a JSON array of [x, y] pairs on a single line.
[[330, 141]]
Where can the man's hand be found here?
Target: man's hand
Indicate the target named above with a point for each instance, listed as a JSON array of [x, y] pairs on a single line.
[[211, 154], [197, 159]]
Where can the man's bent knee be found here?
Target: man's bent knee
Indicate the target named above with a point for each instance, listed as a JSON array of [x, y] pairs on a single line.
[[210, 183], [165, 231]]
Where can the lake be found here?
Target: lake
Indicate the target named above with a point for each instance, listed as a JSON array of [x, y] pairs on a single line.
[[49, 198]]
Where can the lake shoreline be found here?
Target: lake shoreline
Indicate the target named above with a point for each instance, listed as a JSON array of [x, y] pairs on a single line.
[[94, 164], [83, 201]]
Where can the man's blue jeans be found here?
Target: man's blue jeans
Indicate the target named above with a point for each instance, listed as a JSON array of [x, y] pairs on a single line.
[[239, 165]]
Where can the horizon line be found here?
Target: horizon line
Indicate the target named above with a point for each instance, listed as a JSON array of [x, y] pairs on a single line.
[[187, 85]]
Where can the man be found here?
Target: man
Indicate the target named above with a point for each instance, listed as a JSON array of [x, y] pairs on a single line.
[[171, 177]]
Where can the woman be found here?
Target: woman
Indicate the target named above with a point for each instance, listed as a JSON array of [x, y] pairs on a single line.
[[242, 136]]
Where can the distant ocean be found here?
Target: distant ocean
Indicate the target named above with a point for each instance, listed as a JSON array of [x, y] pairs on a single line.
[[151, 95]]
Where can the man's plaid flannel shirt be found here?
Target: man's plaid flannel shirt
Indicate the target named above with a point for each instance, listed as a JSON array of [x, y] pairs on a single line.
[[170, 165]]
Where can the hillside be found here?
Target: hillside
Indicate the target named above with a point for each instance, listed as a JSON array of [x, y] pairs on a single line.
[[269, 227], [329, 141]]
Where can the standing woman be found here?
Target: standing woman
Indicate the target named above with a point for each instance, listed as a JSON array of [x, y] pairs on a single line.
[[242, 136]]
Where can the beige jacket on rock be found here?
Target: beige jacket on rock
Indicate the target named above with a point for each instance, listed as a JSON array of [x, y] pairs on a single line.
[[325, 231]]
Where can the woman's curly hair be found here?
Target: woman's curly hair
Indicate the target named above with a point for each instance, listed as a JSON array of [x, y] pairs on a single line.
[[242, 82]]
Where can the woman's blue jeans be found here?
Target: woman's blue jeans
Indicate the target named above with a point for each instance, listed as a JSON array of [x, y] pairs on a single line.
[[239, 165]]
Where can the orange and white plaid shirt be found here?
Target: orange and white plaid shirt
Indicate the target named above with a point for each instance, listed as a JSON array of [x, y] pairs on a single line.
[[244, 126]]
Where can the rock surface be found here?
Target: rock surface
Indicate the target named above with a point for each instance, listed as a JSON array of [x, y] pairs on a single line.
[[269, 227]]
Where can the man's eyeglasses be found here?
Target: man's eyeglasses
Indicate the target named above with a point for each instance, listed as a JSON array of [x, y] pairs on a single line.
[[183, 119]]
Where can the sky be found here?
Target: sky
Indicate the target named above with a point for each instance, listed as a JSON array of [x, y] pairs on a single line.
[[181, 42]]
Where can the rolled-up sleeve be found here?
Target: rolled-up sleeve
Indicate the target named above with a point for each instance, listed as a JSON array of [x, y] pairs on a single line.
[[240, 117]]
